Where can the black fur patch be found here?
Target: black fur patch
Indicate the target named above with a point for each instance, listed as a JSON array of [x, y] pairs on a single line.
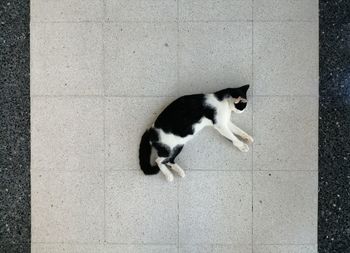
[[241, 106], [180, 116], [162, 150], [232, 92], [153, 135], [144, 155], [175, 152]]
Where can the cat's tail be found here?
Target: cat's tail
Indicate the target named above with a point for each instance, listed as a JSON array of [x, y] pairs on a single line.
[[145, 155]]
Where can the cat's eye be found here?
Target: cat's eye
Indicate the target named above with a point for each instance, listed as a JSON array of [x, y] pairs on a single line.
[[241, 100]]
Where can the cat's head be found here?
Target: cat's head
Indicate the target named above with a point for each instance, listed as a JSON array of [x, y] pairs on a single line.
[[239, 97]]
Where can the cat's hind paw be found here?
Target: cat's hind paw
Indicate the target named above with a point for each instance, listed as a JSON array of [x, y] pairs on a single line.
[[243, 147], [182, 174], [248, 139], [169, 177], [177, 169]]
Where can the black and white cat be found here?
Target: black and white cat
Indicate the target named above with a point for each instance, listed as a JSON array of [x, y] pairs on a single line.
[[184, 118]]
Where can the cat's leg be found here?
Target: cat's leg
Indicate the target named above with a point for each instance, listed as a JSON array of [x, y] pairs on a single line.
[[163, 168], [177, 169], [174, 153], [236, 130], [225, 131]]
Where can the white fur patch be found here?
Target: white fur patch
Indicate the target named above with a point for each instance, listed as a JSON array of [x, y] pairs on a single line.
[[172, 140], [177, 169], [223, 110]]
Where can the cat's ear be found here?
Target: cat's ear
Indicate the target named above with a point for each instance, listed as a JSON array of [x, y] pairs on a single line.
[[244, 88]]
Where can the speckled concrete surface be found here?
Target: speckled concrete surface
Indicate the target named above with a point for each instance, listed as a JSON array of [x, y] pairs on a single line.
[[14, 127], [334, 127], [104, 70]]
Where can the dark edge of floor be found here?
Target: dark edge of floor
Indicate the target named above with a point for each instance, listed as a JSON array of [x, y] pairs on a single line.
[[334, 127], [14, 127]]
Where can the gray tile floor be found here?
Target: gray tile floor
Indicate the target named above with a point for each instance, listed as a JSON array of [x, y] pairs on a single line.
[[101, 70]]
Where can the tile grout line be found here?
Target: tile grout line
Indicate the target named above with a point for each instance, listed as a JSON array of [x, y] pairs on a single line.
[[177, 46], [104, 171], [175, 21], [165, 96], [177, 84], [172, 244], [104, 123], [252, 148], [178, 216], [191, 170]]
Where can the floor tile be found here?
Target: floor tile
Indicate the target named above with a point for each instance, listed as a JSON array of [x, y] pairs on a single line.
[[285, 207], [126, 120], [66, 59], [141, 10], [285, 249], [100, 248], [214, 248], [211, 151], [211, 10], [67, 248], [66, 10], [214, 56], [141, 249], [67, 133], [140, 59], [215, 207], [67, 207], [286, 58], [140, 209], [286, 10], [285, 131]]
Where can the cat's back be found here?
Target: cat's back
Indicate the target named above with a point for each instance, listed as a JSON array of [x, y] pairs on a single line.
[[184, 105], [180, 116], [184, 108]]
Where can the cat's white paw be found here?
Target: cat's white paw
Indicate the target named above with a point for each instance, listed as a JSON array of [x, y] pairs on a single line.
[[248, 139], [177, 169], [181, 173], [243, 147], [169, 177]]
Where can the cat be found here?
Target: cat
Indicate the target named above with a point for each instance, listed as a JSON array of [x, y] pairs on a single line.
[[184, 118]]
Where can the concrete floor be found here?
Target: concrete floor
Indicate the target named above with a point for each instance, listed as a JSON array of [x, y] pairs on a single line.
[[101, 70]]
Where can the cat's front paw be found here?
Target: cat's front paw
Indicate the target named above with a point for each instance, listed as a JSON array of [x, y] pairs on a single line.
[[248, 139], [243, 147]]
